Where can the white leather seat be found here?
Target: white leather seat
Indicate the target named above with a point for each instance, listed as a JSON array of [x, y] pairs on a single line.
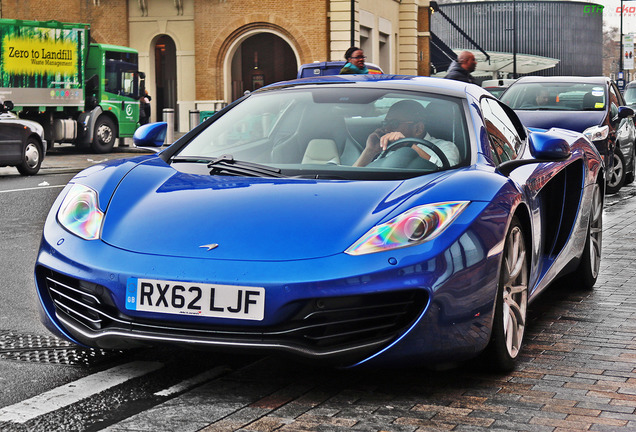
[[321, 151]]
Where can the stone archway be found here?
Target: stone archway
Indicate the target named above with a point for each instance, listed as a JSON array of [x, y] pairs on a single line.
[[256, 59]]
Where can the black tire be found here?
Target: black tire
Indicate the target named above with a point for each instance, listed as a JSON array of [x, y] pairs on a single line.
[[617, 176], [584, 277], [104, 136], [629, 177], [511, 304], [32, 156]]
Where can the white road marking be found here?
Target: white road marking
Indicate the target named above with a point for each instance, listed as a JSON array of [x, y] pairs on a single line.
[[71, 393], [195, 380], [33, 188]]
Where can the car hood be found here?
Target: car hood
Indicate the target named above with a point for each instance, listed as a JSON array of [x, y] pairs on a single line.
[[573, 120], [12, 118], [158, 210]]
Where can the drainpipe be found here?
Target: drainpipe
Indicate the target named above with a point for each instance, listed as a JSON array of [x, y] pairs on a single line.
[[353, 23]]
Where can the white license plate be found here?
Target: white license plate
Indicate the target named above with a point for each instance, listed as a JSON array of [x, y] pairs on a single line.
[[189, 298]]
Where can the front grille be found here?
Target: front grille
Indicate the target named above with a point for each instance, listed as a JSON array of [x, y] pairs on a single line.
[[313, 326], [78, 299], [329, 322]]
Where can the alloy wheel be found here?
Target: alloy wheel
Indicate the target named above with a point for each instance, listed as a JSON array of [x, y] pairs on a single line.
[[596, 231], [515, 291], [617, 173]]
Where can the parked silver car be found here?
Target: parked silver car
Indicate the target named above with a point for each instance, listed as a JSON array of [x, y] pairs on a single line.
[[22, 142]]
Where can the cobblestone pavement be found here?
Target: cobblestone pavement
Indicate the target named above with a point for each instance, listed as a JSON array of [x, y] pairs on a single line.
[[577, 372]]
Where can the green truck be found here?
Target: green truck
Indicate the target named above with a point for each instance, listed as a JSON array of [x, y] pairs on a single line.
[[80, 92]]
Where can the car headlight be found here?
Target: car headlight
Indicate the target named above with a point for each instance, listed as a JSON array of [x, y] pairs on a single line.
[[415, 226], [596, 133], [80, 213]]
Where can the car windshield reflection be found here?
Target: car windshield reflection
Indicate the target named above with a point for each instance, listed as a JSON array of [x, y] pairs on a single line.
[[556, 96], [336, 132]]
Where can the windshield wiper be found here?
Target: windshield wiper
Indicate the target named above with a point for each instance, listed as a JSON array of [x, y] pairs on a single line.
[[192, 159], [228, 164]]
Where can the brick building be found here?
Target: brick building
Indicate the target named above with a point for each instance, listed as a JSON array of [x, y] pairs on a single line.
[[198, 54]]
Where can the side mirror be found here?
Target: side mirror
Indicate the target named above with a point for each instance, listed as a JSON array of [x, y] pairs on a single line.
[[544, 148], [150, 135], [548, 147], [7, 106], [142, 85], [624, 111]]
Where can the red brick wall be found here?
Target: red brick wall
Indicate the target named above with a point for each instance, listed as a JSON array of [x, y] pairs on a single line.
[[218, 23], [108, 18]]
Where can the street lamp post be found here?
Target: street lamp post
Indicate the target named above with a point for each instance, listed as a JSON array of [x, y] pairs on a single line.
[[514, 39], [620, 67]]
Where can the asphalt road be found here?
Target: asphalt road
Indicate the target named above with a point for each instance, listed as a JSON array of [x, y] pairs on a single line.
[[576, 372]]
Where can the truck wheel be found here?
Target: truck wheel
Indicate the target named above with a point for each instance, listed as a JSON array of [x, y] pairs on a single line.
[[105, 135], [31, 158]]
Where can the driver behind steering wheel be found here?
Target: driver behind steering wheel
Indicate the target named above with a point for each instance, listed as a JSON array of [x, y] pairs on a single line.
[[406, 119]]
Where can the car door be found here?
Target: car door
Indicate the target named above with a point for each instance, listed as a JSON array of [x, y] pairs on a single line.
[[626, 131], [11, 133]]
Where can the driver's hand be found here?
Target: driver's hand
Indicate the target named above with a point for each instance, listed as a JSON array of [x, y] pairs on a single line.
[[373, 142], [376, 143], [390, 137]]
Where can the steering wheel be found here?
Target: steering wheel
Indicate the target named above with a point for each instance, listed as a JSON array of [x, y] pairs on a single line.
[[407, 142]]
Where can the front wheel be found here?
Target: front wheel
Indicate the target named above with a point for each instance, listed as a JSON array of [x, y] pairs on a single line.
[[31, 158], [104, 136], [629, 177], [617, 176], [511, 303], [585, 275]]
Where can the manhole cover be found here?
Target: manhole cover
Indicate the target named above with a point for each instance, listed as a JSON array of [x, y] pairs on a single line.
[[50, 349]]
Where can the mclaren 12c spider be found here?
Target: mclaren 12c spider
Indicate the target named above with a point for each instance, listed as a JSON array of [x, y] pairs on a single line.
[[351, 220]]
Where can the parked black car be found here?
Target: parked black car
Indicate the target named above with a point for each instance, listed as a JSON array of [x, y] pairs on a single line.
[[591, 105], [630, 94], [22, 142]]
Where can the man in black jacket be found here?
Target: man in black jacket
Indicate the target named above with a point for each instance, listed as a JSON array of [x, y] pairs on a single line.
[[461, 68]]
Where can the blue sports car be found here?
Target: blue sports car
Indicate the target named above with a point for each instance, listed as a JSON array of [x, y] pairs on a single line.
[[351, 220]]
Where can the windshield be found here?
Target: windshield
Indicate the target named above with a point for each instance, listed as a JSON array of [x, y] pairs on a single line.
[[630, 95], [495, 91], [556, 96], [121, 74], [322, 131]]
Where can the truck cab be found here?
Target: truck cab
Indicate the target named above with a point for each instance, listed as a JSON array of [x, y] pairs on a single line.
[[114, 87]]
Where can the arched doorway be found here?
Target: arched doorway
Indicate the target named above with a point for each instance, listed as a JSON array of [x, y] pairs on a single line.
[[166, 76], [261, 59]]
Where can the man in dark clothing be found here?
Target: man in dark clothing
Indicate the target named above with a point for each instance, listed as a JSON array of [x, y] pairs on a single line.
[[461, 68], [144, 108]]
